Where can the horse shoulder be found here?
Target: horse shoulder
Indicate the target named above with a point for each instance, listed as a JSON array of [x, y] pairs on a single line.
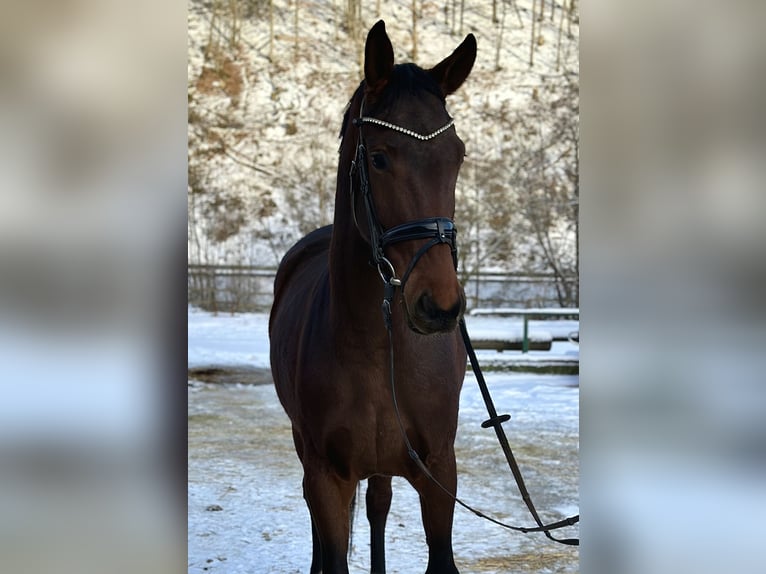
[[310, 246]]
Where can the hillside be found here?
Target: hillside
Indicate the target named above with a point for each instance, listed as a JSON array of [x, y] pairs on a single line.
[[265, 111]]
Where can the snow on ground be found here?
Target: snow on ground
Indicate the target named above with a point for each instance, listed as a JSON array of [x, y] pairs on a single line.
[[242, 339], [246, 512]]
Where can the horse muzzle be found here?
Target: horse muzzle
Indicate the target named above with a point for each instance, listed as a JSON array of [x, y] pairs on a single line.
[[437, 303], [428, 317]]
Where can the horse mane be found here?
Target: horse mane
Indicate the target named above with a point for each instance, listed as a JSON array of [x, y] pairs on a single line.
[[405, 80]]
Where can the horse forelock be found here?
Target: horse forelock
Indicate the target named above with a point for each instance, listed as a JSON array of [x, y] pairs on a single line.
[[406, 80]]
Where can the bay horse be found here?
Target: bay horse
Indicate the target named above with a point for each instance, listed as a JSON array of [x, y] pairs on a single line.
[[330, 348]]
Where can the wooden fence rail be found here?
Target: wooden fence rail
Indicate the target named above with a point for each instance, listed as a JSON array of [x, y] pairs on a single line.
[[244, 288]]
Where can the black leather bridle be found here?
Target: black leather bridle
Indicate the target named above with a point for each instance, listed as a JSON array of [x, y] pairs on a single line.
[[436, 229]]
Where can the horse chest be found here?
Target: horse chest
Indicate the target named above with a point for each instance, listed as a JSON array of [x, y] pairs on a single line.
[[363, 436]]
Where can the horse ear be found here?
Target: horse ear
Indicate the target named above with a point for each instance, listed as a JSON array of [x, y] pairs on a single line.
[[451, 72], [378, 58]]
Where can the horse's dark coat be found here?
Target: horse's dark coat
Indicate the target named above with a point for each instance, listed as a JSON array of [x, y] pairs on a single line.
[[329, 347]]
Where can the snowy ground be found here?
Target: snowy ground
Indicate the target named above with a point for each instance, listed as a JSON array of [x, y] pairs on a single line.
[[246, 513], [242, 339]]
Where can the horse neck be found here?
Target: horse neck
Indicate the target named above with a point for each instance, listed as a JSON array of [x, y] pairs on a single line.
[[355, 286]]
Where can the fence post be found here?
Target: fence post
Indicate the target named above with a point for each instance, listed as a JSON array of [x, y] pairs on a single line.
[[213, 289], [525, 340]]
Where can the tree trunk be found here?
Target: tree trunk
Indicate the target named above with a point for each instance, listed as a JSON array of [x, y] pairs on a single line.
[[518, 13], [295, 32], [532, 39], [235, 23], [558, 43], [271, 30], [500, 40], [414, 30]]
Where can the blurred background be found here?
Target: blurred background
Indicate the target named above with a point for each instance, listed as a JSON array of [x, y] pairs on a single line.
[[673, 393], [92, 227], [95, 187]]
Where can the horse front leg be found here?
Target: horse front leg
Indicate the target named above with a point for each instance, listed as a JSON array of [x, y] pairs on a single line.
[[378, 502], [316, 551], [437, 509], [316, 545], [329, 499]]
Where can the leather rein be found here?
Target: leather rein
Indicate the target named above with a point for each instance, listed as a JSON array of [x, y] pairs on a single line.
[[437, 230]]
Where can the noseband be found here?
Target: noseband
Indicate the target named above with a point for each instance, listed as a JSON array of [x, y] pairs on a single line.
[[436, 229]]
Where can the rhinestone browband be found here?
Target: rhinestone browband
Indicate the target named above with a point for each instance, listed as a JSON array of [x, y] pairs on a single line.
[[416, 135]]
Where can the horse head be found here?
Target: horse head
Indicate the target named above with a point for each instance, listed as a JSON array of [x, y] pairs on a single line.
[[408, 157]]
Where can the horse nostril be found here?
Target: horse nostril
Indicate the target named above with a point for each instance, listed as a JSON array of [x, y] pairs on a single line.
[[440, 318], [426, 305], [427, 316]]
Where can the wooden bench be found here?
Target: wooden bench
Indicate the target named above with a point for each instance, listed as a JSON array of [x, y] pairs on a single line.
[[527, 343]]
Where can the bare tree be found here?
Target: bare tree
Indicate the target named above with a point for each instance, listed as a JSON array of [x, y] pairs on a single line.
[[271, 30], [558, 41], [518, 204], [574, 16], [414, 29], [546, 177], [532, 39], [499, 37], [295, 30], [518, 13], [352, 21]]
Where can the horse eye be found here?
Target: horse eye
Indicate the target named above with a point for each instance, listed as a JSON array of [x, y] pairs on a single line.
[[379, 160]]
